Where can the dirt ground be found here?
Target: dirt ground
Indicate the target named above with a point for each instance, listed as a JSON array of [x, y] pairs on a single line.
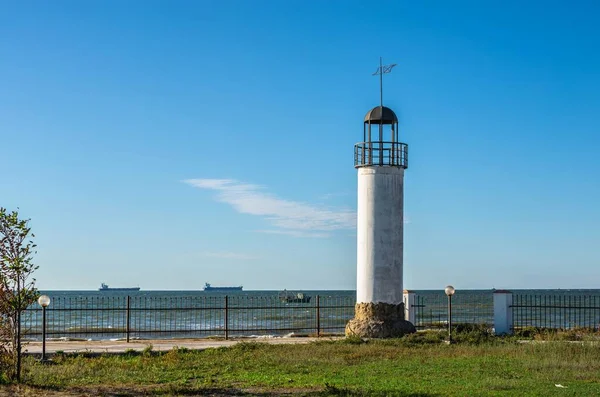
[[139, 391]]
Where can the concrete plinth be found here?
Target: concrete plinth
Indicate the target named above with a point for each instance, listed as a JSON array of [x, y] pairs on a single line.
[[379, 320]]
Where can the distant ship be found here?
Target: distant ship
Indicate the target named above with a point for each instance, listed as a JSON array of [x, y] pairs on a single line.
[[291, 297], [104, 287], [208, 287]]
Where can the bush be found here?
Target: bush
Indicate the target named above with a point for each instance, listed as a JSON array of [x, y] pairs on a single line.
[[354, 340], [551, 334], [425, 337], [528, 332], [472, 333], [147, 350], [17, 288]]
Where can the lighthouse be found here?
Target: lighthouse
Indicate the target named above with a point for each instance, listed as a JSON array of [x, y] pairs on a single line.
[[381, 160]]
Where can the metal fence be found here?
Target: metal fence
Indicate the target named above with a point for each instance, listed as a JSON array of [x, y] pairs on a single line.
[[556, 311], [146, 317], [186, 317], [431, 310], [381, 153]]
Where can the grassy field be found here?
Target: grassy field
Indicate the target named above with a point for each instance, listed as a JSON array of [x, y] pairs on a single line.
[[419, 365]]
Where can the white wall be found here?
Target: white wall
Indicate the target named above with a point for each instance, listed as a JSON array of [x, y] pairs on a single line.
[[380, 225], [410, 300], [503, 318]]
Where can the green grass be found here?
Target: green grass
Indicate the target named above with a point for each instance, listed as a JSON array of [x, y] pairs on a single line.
[[419, 365]]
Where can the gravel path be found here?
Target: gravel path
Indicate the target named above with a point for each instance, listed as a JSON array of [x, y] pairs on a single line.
[[157, 344]]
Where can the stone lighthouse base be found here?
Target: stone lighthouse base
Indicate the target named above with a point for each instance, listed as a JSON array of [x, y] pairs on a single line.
[[379, 320]]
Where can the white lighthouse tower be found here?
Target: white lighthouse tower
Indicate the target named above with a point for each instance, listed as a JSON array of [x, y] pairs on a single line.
[[381, 160]]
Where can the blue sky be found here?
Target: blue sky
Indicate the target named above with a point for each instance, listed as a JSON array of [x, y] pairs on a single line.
[[168, 144]]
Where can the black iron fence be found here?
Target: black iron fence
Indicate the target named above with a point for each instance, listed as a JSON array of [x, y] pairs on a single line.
[[146, 317], [431, 310], [556, 311], [125, 317], [381, 153]]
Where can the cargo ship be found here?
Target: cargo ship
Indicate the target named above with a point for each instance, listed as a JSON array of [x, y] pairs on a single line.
[[208, 287], [105, 287]]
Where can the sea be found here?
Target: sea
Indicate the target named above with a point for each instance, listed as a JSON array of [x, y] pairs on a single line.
[[117, 315]]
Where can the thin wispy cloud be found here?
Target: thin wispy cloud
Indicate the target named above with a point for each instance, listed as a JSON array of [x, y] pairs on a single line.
[[295, 233], [228, 255], [329, 196], [289, 217]]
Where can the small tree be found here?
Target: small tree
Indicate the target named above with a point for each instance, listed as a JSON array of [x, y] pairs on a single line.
[[17, 288]]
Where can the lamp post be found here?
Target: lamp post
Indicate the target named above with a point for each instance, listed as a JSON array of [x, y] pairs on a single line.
[[44, 302], [449, 290]]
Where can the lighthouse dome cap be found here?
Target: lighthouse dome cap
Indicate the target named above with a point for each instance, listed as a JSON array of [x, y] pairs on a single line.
[[381, 115]]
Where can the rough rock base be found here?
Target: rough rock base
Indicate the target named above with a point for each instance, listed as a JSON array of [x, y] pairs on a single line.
[[379, 320]]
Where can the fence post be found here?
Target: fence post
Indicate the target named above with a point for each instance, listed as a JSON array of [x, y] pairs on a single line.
[[226, 317], [503, 315], [128, 316], [318, 317], [409, 306]]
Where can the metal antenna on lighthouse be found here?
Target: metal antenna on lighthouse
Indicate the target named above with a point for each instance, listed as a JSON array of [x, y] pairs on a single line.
[[381, 70]]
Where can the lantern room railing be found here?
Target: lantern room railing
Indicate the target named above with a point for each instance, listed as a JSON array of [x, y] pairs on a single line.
[[381, 153]]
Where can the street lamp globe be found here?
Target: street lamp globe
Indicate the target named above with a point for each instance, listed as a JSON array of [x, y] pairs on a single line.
[[44, 301], [449, 290]]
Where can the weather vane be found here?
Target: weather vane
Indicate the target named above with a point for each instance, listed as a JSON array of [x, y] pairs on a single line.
[[381, 70]]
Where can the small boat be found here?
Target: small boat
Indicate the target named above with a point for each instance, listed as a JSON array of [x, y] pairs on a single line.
[[208, 287], [291, 297], [105, 287]]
